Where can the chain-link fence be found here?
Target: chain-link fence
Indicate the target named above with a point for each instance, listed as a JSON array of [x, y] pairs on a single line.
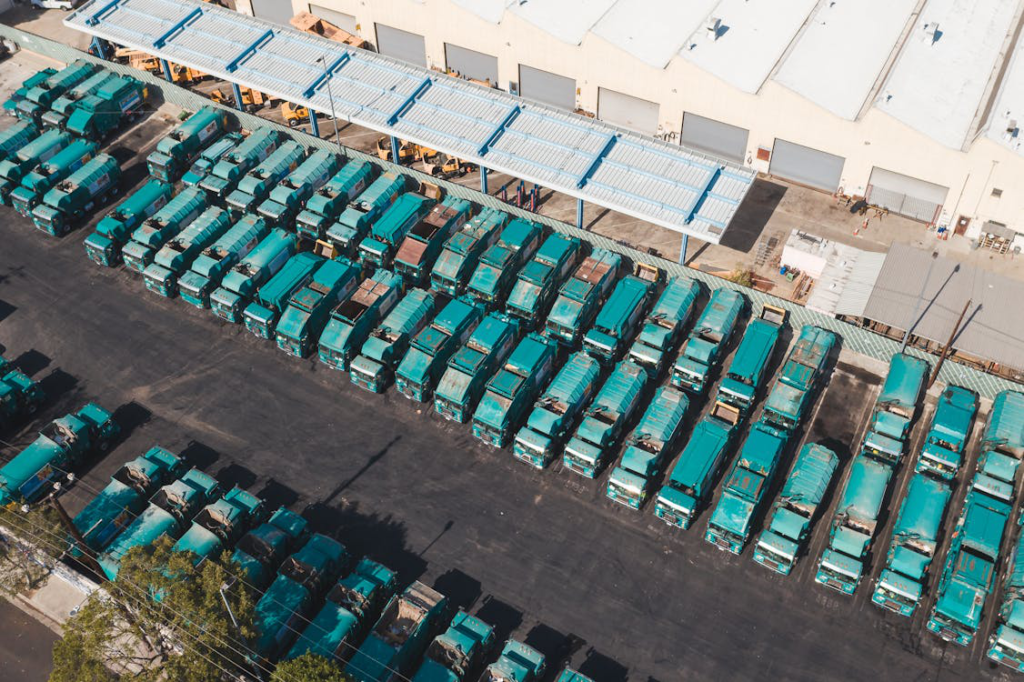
[[854, 338]]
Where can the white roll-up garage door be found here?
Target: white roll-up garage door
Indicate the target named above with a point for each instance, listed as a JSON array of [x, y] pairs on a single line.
[[345, 22], [550, 88], [806, 165], [714, 137], [627, 111], [394, 42], [273, 10], [905, 195], [471, 64]]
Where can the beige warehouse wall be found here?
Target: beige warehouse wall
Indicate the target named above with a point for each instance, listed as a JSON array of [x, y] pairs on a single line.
[[775, 112]]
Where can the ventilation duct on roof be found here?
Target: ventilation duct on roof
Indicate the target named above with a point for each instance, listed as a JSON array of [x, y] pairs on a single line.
[[712, 28], [930, 33]]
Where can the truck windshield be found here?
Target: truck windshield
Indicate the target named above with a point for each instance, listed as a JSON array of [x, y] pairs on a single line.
[[256, 547], [448, 656], [170, 501], [347, 597], [297, 571], [59, 434], [132, 477]]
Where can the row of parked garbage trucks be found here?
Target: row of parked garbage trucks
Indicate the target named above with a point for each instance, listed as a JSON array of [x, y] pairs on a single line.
[[556, 351], [312, 595]]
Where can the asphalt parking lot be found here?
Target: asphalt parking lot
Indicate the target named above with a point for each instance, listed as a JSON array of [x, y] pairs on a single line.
[[543, 555], [25, 648]]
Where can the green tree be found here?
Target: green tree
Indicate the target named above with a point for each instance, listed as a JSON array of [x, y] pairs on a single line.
[[19, 570], [166, 616], [309, 668]]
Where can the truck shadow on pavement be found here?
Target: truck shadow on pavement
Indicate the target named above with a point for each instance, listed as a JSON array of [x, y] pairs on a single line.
[[235, 475], [199, 455], [462, 590], [6, 309], [505, 618], [31, 362], [600, 667]]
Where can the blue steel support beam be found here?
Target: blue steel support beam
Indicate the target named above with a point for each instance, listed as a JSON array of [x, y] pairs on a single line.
[[682, 249], [166, 68], [314, 127], [409, 101], [232, 65], [483, 180], [238, 97], [162, 40], [579, 214], [101, 49], [97, 15], [328, 73], [596, 161], [394, 149], [500, 128]]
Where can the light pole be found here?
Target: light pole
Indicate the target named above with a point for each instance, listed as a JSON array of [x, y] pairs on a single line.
[[330, 96]]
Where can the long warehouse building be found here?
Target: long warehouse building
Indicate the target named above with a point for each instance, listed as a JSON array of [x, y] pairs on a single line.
[[914, 104]]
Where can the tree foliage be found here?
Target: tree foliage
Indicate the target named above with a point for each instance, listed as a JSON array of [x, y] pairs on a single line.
[[164, 619], [20, 569], [309, 668]]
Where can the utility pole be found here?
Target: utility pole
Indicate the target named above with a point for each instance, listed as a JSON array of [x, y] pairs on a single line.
[[231, 615], [949, 343], [330, 96], [69, 526]]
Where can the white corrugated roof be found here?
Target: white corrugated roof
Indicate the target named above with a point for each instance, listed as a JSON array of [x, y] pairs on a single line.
[[648, 179], [839, 56], [653, 31], [938, 82], [567, 20], [752, 37]]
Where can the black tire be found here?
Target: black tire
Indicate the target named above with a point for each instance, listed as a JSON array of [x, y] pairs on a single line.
[[293, 122]]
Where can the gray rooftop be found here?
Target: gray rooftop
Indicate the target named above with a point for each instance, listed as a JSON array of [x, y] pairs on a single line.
[[648, 179], [994, 325]]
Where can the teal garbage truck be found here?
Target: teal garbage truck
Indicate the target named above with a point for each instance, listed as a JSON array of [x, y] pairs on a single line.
[[68, 201], [19, 396], [209, 157], [1006, 643], [746, 373], [232, 167], [220, 524], [114, 230], [387, 344], [746, 484], [539, 280], [493, 277], [262, 549], [61, 446], [40, 97], [418, 251], [16, 136], [1002, 446], [183, 145], [351, 606], [944, 446], [458, 651], [549, 425], [117, 505], [802, 374], [310, 307], [518, 663], [472, 365], [327, 202], [288, 196], [240, 284], [47, 174], [432, 347], [168, 512], [895, 408], [257, 184], [605, 420], [463, 249], [915, 539], [510, 393], [177, 255], [663, 327], [10, 105], [707, 341], [62, 107], [356, 315], [210, 267], [647, 448], [579, 298], [272, 298], [117, 102], [618, 318], [158, 229], [689, 485], [355, 220], [400, 635], [22, 162], [788, 523], [378, 249]]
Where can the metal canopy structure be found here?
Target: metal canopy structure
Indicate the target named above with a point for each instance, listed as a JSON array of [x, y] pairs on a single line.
[[670, 186]]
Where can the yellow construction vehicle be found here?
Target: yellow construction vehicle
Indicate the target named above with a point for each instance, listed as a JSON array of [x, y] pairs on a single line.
[[304, 21], [251, 99], [444, 166], [325, 249], [294, 114], [407, 151]]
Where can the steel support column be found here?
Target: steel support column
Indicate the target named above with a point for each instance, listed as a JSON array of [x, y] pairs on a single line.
[[579, 214], [483, 180], [394, 149], [314, 127], [238, 97], [167, 70], [682, 249], [101, 49]]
